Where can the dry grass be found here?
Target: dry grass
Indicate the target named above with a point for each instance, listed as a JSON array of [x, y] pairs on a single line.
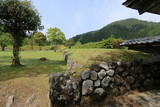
[[29, 81], [89, 56]]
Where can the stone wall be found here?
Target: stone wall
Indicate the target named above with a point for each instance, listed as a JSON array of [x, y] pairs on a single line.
[[104, 80], [71, 64]]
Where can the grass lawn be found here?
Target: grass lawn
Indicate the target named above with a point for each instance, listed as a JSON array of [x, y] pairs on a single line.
[[31, 80], [32, 65], [89, 56]]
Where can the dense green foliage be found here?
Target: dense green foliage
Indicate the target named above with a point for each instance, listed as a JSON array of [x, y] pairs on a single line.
[[18, 17], [125, 29], [39, 38], [5, 40], [110, 43], [55, 36], [69, 43]]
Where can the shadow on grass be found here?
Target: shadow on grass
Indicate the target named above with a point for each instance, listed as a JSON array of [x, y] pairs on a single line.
[[31, 68]]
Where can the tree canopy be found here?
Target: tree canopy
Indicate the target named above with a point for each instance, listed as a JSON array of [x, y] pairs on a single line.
[[39, 38], [18, 17], [5, 40], [56, 36], [69, 43]]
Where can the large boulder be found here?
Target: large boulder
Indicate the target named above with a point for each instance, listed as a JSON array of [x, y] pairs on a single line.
[[87, 87], [63, 90]]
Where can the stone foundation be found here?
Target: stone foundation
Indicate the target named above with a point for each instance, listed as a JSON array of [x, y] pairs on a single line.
[[105, 80]]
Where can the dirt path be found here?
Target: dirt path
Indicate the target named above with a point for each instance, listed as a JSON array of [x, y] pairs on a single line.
[[26, 92]]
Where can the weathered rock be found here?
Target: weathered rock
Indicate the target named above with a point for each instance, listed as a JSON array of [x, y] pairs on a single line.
[[125, 74], [105, 82], [87, 87], [63, 89], [10, 101], [97, 83], [118, 80], [119, 63], [113, 65], [93, 75], [66, 57], [95, 67], [104, 65], [130, 80], [110, 72], [99, 91], [147, 83], [43, 59], [102, 73], [122, 90], [85, 75], [128, 86], [120, 69]]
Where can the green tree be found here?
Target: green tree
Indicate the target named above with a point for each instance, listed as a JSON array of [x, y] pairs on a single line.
[[69, 43], [29, 41], [18, 17], [40, 39], [5, 40], [56, 36]]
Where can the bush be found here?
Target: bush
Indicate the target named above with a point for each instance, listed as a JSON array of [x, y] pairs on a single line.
[[109, 43]]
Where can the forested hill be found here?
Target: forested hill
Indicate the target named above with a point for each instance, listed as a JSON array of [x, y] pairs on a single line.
[[125, 29]]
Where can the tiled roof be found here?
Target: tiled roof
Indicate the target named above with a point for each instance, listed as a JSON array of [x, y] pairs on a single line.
[[147, 40], [152, 6]]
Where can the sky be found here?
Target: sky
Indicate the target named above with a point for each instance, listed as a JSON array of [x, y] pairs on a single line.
[[79, 16]]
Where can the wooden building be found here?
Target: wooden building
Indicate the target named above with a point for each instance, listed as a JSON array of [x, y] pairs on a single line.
[[149, 44]]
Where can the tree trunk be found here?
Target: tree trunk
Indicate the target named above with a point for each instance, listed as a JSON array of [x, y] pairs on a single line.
[[32, 43], [16, 48], [40, 48], [3, 48]]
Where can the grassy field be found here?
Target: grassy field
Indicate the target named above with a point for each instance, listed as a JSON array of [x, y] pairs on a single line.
[[89, 56], [32, 65], [30, 82]]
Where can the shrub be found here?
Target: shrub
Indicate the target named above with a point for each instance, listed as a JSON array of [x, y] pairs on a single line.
[[109, 43]]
